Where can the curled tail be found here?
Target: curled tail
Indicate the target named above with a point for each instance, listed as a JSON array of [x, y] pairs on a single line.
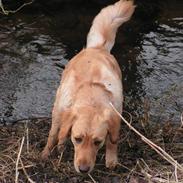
[[105, 25]]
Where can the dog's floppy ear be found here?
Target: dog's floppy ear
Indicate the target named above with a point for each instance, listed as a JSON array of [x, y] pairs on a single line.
[[113, 121], [67, 119]]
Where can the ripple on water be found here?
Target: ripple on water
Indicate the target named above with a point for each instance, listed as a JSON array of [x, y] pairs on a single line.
[[162, 54], [29, 76]]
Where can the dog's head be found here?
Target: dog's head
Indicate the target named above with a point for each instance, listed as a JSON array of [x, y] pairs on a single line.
[[89, 129]]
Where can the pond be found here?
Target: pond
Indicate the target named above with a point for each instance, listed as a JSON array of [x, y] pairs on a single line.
[[35, 46]]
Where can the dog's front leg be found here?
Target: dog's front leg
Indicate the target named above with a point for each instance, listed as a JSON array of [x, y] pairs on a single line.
[[111, 157], [53, 135], [62, 136], [66, 124], [52, 141], [112, 140]]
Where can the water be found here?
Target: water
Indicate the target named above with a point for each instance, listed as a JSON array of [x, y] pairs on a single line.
[[161, 60], [33, 46]]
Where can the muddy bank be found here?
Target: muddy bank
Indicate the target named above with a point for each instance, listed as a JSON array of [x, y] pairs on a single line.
[[137, 162]]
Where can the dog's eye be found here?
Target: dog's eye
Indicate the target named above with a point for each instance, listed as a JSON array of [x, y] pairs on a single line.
[[97, 142], [78, 140]]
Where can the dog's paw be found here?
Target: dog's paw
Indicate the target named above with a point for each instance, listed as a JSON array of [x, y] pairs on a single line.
[[111, 161], [60, 147], [45, 154]]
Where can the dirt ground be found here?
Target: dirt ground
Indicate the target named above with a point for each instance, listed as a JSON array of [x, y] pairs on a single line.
[[138, 163]]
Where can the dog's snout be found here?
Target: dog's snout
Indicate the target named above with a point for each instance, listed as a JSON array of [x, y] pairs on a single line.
[[84, 168]]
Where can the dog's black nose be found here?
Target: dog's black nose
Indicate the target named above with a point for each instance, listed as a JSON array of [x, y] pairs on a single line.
[[84, 168]]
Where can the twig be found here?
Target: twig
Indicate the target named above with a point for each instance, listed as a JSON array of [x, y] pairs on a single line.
[[2, 8], [27, 166], [60, 159], [176, 177], [6, 12], [7, 156], [158, 149], [25, 172], [131, 118], [27, 137], [14, 121], [92, 178], [159, 180], [18, 158], [145, 164], [181, 119]]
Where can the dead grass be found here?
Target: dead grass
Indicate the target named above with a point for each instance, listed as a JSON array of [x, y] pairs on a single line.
[[21, 144]]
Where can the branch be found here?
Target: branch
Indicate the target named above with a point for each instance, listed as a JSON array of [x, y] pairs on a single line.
[[6, 12]]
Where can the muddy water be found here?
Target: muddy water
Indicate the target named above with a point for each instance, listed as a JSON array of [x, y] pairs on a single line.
[[33, 49]]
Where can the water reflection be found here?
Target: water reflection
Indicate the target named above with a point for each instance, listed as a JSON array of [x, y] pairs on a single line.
[[162, 54], [29, 76], [157, 74]]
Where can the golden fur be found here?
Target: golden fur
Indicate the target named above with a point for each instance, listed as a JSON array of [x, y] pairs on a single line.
[[91, 80]]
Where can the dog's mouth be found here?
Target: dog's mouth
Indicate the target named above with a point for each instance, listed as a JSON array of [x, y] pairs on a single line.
[[84, 164]]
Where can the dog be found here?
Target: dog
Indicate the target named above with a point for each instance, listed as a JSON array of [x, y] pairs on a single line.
[[90, 82]]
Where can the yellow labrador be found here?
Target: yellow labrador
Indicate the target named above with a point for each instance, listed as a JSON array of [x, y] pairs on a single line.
[[91, 80]]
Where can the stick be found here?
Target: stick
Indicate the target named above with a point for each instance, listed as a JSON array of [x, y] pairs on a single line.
[[25, 172], [6, 12], [18, 158], [27, 137], [60, 159], [27, 166], [92, 178]]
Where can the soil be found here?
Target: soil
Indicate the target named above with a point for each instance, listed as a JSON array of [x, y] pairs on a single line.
[[138, 163]]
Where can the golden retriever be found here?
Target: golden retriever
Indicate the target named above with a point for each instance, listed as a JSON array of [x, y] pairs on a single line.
[[90, 82]]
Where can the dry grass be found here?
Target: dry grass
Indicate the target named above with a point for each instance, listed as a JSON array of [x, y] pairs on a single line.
[[21, 144]]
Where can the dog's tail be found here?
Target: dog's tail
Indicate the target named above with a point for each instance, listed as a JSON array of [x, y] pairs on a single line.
[[103, 30]]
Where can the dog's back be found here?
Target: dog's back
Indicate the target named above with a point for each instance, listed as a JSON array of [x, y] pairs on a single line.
[[92, 69], [95, 64]]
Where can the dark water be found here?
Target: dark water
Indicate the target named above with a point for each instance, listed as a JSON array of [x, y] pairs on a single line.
[[33, 46]]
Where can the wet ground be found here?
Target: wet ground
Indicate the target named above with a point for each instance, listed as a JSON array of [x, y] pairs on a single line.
[[35, 46]]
